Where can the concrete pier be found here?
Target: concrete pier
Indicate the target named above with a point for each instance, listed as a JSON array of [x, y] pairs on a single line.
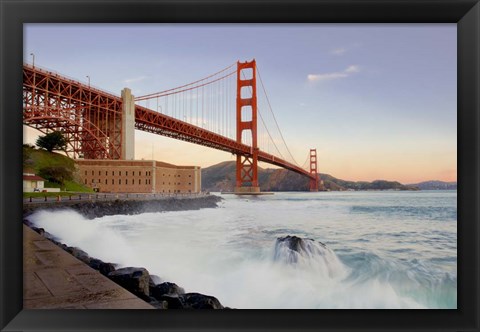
[[54, 279]]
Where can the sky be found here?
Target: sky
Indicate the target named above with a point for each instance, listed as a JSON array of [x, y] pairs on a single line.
[[377, 101]]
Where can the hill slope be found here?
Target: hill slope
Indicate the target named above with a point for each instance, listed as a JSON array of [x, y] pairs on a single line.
[[39, 160], [221, 177], [436, 185]]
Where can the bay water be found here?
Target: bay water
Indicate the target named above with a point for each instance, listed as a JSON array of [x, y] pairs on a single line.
[[384, 249]]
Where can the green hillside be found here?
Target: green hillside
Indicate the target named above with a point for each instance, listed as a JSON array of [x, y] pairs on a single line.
[[221, 177], [52, 166]]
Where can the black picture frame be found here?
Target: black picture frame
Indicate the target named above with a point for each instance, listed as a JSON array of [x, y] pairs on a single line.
[[466, 13]]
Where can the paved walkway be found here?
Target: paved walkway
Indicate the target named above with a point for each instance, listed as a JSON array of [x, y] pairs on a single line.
[[54, 279]]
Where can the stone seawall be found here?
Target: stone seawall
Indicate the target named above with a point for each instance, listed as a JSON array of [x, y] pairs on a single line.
[[98, 208]]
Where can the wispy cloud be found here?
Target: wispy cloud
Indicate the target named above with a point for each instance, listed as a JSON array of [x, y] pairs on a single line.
[[335, 75], [352, 69], [134, 79], [338, 51]]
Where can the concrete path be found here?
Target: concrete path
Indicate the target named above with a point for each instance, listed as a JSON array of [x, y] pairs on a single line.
[[54, 279]]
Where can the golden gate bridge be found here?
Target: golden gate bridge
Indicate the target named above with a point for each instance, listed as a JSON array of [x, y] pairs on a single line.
[[222, 111]]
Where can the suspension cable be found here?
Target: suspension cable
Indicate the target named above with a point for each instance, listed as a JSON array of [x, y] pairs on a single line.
[[266, 128], [148, 96], [274, 118], [171, 91]]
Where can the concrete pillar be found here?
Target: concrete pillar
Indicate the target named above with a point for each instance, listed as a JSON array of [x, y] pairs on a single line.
[[128, 125], [154, 176], [198, 179]]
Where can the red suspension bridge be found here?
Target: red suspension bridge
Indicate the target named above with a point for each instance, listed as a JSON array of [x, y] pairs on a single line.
[[222, 111]]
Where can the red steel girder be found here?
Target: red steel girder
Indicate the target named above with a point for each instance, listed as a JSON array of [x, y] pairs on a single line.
[[54, 102]]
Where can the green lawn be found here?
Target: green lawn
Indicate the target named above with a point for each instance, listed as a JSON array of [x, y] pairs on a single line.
[[62, 193], [37, 159]]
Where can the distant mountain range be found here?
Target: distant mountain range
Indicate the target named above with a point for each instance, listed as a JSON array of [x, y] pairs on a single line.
[[435, 185], [221, 177]]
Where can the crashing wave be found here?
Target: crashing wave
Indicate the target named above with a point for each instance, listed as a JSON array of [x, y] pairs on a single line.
[[309, 254]]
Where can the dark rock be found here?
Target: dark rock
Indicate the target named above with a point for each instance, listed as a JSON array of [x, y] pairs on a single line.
[[294, 243], [40, 231], [51, 238], [79, 254], [290, 248], [134, 279], [101, 266], [166, 288], [154, 280], [158, 304], [200, 301], [28, 223], [173, 301]]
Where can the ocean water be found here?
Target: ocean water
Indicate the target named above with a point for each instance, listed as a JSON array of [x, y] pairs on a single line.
[[383, 249]]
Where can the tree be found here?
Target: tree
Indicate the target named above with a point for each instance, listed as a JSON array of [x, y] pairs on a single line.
[[52, 141], [27, 152], [56, 174]]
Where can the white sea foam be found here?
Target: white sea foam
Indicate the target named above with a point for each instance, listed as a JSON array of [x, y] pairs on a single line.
[[73, 229]]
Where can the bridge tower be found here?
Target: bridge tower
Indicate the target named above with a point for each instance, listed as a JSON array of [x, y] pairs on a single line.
[[128, 125], [313, 170], [247, 164]]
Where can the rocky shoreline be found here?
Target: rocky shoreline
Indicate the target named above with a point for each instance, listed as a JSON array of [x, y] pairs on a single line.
[[159, 293], [99, 208]]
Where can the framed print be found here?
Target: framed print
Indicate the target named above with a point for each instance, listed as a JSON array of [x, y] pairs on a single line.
[[183, 188]]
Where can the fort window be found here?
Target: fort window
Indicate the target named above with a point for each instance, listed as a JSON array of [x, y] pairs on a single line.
[[106, 173], [126, 173], [133, 173], [119, 181], [139, 181], [99, 173], [105, 181], [120, 173], [140, 173], [126, 181], [85, 181], [113, 181], [85, 173], [92, 172]]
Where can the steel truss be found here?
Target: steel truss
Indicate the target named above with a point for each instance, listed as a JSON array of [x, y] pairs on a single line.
[[91, 120]]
